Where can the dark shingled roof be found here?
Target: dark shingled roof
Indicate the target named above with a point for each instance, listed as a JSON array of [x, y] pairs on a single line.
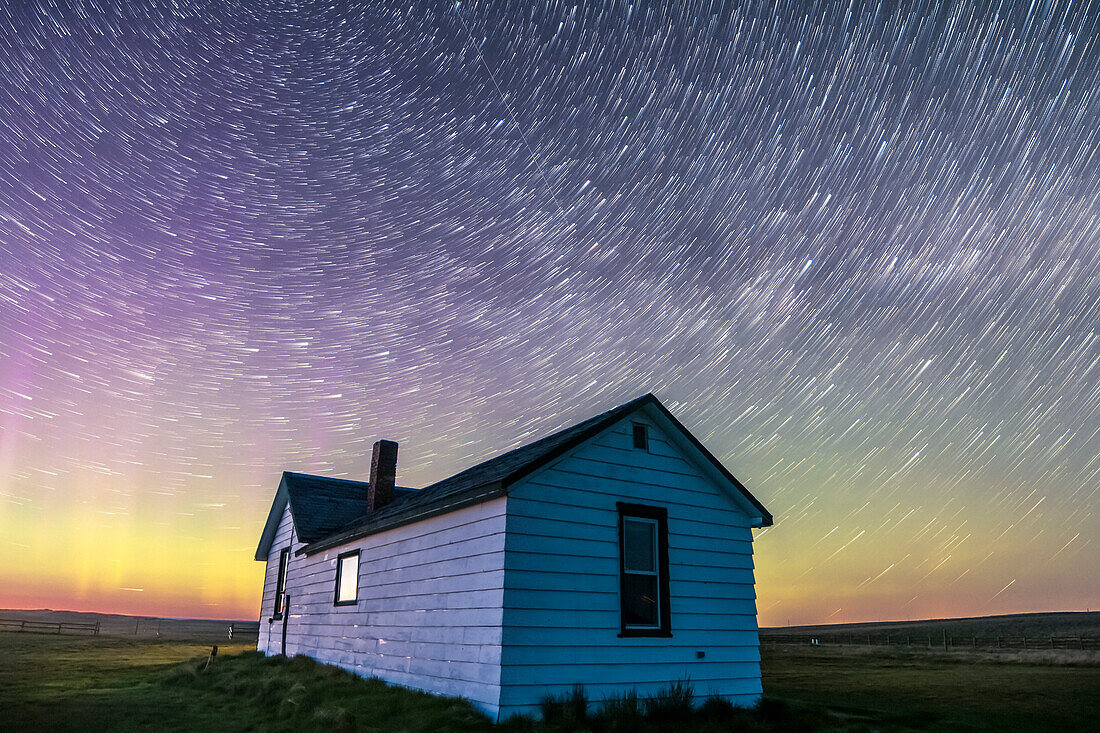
[[322, 505], [476, 484], [492, 478]]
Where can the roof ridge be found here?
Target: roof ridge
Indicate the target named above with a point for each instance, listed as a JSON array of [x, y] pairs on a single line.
[[324, 478], [330, 514], [479, 482]]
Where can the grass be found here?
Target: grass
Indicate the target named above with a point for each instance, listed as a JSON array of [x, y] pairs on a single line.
[[101, 683], [104, 684], [673, 709], [915, 691], [1034, 625]]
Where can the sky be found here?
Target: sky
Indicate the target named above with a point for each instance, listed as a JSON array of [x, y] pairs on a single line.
[[855, 248]]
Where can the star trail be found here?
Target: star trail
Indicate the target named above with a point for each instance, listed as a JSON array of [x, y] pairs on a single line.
[[855, 247]]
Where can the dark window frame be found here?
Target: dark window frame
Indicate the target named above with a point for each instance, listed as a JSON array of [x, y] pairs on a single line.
[[339, 568], [641, 436], [280, 582], [660, 516]]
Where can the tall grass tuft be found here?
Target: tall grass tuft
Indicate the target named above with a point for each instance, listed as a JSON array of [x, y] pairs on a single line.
[[620, 714], [522, 723], [294, 701], [718, 713], [334, 717], [672, 703], [568, 711]]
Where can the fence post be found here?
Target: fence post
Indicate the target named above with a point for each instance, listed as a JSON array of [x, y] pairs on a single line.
[[1052, 641], [1025, 642], [96, 628], [945, 639], [974, 639], [22, 625]]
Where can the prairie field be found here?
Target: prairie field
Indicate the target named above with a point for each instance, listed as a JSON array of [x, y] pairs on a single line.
[[1036, 625], [129, 683], [862, 689]]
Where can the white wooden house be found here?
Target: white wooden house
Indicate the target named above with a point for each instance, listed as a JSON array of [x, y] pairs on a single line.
[[615, 554]]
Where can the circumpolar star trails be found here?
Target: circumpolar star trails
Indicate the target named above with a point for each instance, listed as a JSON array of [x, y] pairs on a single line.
[[854, 248]]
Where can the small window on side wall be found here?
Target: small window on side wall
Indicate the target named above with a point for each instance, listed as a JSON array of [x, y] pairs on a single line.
[[643, 571], [641, 436], [280, 582], [347, 579]]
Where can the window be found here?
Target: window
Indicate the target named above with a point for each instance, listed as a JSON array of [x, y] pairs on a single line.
[[643, 571], [641, 436], [347, 579], [280, 582]]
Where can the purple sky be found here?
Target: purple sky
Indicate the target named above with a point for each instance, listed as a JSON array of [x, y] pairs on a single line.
[[855, 251]]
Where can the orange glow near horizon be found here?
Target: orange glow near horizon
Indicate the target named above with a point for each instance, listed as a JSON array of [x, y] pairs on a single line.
[[854, 249], [198, 564], [112, 565]]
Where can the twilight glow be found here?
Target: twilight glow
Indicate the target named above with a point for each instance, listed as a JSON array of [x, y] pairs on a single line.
[[856, 249]]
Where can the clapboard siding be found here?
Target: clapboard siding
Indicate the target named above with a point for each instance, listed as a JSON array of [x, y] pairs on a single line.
[[561, 594], [516, 598], [644, 671], [597, 637], [538, 653], [270, 636], [582, 491], [429, 611]]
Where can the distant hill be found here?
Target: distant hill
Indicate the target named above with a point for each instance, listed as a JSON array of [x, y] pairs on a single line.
[[112, 624], [1018, 624]]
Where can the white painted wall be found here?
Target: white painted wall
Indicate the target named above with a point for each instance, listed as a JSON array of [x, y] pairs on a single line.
[[429, 611], [561, 596], [270, 638]]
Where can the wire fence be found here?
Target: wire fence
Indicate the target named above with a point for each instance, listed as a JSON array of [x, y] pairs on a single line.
[[941, 641], [140, 626], [49, 627]]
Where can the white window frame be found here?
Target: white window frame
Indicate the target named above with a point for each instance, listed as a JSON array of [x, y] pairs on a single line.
[[655, 528], [337, 600]]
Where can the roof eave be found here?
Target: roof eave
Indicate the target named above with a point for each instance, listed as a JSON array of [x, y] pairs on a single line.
[[765, 515], [274, 516], [613, 417], [478, 495]]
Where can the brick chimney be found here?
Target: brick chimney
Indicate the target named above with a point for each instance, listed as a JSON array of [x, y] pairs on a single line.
[[383, 474]]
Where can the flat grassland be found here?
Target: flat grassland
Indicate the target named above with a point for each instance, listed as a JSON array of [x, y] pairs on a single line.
[[1034, 625], [50, 682], [66, 683], [897, 690]]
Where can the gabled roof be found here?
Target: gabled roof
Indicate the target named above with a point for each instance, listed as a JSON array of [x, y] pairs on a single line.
[[323, 505], [491, 479], [320, 506]]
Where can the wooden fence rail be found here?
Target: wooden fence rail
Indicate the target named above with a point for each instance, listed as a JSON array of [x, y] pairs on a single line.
[[49, 627], [140, 626], [941, 641], [248, 630]]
